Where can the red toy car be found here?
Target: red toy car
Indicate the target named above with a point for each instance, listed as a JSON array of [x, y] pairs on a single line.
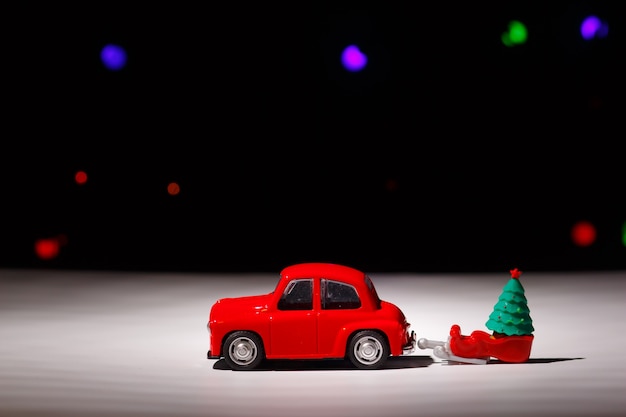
[[317, 311]]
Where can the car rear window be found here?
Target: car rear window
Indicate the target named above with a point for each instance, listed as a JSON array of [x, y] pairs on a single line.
[[339, 296], [373, 291]]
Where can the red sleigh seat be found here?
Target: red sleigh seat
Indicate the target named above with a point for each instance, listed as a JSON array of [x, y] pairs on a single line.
[[480, 344]]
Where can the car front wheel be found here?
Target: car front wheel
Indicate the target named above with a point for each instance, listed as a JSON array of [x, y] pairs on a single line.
[[368, 350], [243, 350]]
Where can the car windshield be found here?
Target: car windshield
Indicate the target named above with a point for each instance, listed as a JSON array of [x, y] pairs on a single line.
[[372, 289]]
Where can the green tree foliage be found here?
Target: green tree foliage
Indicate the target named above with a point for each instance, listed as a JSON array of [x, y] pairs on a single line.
[[511, 315]]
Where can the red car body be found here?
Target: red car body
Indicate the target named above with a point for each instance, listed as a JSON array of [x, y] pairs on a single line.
[[316, 311]]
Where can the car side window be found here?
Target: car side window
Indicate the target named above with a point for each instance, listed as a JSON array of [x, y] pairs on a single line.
[[298, 295], [339, 296]]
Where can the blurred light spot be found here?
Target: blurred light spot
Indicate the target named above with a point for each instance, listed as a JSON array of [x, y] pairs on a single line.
[[80, 177], [593, 27], [624, 234], [583, 233], [517, 34], [173, 188], [595, 103], [391, 185], [49, 248], [353, 59], [113, 57]]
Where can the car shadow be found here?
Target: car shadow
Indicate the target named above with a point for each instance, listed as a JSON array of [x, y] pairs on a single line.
[[394, 362]]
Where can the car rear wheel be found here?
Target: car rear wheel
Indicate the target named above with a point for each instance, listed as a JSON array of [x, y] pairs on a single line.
[[368, 350], [243, 350]]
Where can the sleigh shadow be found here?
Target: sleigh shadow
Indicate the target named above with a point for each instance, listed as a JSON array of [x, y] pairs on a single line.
[[499, 362], [537, 360]]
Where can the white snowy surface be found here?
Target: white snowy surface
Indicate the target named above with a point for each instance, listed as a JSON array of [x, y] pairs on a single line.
[[104, 344]]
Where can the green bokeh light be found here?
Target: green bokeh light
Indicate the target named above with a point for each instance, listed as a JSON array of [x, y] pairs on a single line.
[[517, 34], [624, 234]]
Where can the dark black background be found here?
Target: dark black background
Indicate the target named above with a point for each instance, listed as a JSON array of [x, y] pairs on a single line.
[[449, 152]]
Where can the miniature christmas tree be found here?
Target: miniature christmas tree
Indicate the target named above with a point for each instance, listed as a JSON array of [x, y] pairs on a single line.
[[511, 315]]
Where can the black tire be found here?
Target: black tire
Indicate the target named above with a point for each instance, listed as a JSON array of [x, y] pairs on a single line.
[[368, 350], [243, 350]]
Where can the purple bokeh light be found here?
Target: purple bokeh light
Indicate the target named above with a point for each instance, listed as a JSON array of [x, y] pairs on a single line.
[[593, 27], [353, 59], [113, 57]]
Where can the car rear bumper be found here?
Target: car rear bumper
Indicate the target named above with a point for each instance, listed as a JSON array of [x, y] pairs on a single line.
[[409, 347]]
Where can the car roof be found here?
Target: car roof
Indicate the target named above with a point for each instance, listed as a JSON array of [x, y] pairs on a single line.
[[325, 270]]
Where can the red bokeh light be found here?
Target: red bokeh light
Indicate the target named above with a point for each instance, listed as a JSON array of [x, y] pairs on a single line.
[[47, 249], [173, 188], [583, 233], [80, 177]]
